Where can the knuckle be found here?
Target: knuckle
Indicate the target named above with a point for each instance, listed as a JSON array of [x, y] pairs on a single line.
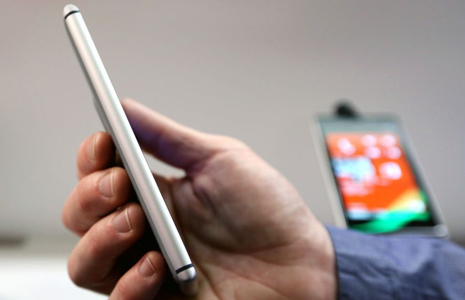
[[233, 150], [103, 236], [83, 199], [65, 219], [94, 247], [68, 214], [81, 148], [98, 238], [231, 143], [81, 154], [87, 193]]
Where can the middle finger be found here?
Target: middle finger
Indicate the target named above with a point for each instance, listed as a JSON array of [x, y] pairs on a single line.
[[95, 196], [92, 263]]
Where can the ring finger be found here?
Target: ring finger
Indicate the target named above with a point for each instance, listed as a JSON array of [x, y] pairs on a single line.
[[92, 262]]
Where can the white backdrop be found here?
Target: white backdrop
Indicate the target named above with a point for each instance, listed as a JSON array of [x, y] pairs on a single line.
[[255, 70]]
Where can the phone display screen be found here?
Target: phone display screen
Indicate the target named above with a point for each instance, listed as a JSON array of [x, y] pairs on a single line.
[[378, 185]]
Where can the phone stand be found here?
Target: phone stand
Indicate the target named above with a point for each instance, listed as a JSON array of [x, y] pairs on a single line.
[[345, 109]]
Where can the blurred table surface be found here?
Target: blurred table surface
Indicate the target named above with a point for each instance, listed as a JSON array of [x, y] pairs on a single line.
[[36, 269]]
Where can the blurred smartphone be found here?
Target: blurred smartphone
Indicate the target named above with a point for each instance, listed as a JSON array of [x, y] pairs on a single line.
[[374, 179], [117, 125]]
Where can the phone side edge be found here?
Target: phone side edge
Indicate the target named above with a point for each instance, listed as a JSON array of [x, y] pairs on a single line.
[[319, 144], [111, 114]]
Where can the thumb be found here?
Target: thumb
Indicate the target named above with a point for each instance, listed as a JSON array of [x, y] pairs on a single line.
[[167, 140]]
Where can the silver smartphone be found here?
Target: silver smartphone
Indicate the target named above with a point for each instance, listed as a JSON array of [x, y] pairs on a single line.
[[374, 180], [117, 125]]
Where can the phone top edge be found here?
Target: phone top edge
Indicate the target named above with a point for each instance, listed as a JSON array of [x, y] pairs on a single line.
[[70, 9], [374, 117]]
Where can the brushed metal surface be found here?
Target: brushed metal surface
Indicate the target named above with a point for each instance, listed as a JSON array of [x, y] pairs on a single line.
[[117, 124]]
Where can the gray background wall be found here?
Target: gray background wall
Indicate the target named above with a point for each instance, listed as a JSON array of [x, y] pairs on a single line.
[[255, 70]]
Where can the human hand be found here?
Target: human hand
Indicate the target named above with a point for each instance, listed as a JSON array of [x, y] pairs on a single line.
[[246, 228]]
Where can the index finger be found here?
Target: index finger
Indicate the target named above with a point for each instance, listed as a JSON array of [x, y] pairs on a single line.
[[171, 142], [97, 152]]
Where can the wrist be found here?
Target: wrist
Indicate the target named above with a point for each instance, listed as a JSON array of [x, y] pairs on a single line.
[[322, 259], [310, 271]]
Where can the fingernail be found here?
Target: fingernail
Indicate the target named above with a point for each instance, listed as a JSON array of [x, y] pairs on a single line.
[[106, 185], [146, 268], [91, 148], [121, 222]]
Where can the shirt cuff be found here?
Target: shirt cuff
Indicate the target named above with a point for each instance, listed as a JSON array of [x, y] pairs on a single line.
[[363, 270]]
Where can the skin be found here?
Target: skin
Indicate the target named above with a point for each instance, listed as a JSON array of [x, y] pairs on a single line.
[[247, 230]]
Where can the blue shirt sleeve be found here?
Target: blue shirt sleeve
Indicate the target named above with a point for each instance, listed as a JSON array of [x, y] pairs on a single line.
[[385, 268]]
